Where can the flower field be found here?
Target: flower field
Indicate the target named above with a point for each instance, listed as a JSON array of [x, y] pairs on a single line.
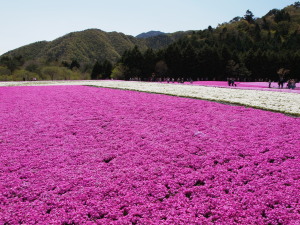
[[262, 86], [279, 100], [87, 155]]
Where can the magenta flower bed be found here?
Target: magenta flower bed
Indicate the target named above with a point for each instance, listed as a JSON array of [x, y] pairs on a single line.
[[262, 86], [86, 155], [239, 84]]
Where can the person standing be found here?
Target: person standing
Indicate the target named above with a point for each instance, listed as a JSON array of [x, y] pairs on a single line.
[[281, 82]]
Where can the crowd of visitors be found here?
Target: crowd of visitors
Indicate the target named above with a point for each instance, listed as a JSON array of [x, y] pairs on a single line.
[[291, 83], [164, 79]]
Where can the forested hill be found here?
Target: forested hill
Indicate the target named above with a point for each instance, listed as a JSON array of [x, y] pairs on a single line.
[[150, 34], [246, 47], [89, 46], [84, 46]]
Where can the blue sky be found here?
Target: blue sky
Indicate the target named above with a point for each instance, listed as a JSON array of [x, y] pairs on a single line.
[[26, 21]]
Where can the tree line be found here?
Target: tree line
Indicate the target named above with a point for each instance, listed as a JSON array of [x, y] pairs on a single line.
[[247, 48]]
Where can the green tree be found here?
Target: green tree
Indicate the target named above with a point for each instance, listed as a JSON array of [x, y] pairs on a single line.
[[51, 73], [32, 66], [161, 68], [24, 75], [133, 60], [249, 16], [282, 15], [5, 74], [232, 68], [106, 69], [12, 63], [97, 70], [4, 70], [149, 60], [237, 70], [190, 62], [101, 71], [119, 72], [173, 58]]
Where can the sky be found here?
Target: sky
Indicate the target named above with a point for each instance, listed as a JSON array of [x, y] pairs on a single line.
[[24, 22]]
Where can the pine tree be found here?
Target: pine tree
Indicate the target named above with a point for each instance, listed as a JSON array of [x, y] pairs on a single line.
[[97, 70], [106, 69], [249, 16]]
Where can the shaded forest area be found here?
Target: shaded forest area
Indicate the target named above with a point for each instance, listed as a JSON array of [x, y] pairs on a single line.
[[246, 48]]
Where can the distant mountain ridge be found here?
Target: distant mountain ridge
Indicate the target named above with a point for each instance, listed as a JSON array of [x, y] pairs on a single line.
[[85, 46], [91, 45], [150, 34]]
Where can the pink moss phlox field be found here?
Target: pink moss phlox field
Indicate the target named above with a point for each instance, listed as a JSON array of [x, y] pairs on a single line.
[[86, 155], [261, 86]]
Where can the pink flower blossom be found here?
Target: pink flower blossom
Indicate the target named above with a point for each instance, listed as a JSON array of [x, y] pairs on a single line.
[[86, 155]]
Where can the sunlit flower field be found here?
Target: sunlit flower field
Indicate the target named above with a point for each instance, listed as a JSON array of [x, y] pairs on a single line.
[[279, 100], [91, 155]]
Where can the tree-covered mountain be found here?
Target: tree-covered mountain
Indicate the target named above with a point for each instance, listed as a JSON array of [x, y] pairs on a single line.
[[89, 46], [150, 34], [84, 46], [245, 48], [162, 41]]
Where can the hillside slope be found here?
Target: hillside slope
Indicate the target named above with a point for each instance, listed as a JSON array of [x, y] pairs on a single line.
[[85, 46], [246, 48], [90, 45]]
